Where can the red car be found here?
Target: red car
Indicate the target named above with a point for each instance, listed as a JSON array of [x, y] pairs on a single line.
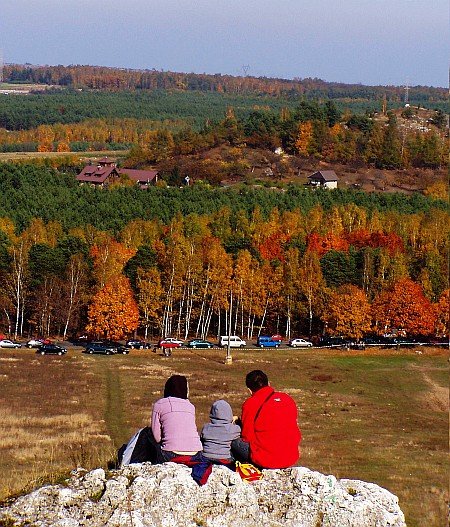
[[169, 342], [277, 337]]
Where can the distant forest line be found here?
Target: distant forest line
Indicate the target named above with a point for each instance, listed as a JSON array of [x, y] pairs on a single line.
[[103, 78]]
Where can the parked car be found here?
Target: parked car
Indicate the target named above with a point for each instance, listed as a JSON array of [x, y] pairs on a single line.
[[300, 343], [51, 349], [124, 350], [235, 341], [377, 340], [199, 343], [277, 337], [82, 340], [264, 341], [170, 342], [136, 344], [358, 344], [407, 342], [334, 342], [6, 343], [34, 343], [443, 342], [100, 348]]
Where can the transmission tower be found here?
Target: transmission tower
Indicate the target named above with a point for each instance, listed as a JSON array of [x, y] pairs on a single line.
[[406, 93], [245, 69], [1, 65]]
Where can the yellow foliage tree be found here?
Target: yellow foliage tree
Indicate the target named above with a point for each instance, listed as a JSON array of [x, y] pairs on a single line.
[[443, 313], [304, 138], [113, 313], [46, 137], [109, 259], [63, 146], [150, 297], [348, 312]]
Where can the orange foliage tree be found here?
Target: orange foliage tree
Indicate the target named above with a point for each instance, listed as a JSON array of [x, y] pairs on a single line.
[[113, 313], [348, 312], [404, 306]]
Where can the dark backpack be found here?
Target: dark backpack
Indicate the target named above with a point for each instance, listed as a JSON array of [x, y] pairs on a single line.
[[141, 447]]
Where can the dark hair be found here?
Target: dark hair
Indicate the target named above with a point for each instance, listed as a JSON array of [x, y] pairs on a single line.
[[176, 386], [256, 380]]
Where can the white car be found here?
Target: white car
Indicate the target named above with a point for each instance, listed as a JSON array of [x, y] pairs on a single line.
[[235, 341], [6, 343], [300, 343], [34, 343]]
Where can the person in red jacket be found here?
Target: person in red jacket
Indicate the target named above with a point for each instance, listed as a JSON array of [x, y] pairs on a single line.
[[270, 434]]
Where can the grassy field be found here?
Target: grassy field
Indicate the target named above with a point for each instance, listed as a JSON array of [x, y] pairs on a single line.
[[380, 416], [76, 156]]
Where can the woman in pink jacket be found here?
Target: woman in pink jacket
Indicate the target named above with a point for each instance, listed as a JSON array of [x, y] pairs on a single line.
[[173, 421]]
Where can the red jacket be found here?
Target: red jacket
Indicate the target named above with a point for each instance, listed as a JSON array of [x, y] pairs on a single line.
[[274, 435]]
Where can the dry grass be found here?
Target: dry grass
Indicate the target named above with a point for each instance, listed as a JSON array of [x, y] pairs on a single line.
[[380, 416]]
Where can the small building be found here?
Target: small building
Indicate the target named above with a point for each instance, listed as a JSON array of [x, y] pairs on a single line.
[[323, 178], [106, 172]]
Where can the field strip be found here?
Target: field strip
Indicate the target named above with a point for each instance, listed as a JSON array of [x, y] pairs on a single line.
[[438, 397], [114, 417]]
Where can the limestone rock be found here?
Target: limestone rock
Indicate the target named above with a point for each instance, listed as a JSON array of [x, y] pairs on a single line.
[[143, 495]]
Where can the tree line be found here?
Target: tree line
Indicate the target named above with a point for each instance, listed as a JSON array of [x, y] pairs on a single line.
[[116, 79], [333, 265], [311, 130]]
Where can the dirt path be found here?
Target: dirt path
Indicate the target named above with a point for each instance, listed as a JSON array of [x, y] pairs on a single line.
[[438, 398]]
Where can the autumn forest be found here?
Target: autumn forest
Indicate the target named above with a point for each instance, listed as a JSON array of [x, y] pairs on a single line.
[[172, 259], [168, 261]]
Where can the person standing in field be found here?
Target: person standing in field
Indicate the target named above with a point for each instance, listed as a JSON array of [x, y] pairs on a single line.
[[270, 434]]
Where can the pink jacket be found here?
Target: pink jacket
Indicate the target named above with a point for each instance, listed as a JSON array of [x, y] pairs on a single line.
[[173, 425]]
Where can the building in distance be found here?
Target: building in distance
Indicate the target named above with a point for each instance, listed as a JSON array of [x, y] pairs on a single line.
[[106, 172], [323, 178]]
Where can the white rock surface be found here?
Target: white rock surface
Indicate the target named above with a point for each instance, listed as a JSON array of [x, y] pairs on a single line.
[[142, 495]]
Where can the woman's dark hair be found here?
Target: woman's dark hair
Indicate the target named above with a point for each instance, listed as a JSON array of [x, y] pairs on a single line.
[[176, 386], [256, 380]]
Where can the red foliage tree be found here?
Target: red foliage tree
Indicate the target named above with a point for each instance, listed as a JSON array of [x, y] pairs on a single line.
[[404, 306], [272, 247], [363, 238], [322, 244]]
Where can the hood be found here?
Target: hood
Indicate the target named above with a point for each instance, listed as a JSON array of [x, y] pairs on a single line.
[[221, 412]]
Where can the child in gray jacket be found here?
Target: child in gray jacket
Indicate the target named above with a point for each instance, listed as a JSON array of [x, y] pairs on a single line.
[[217, 435]]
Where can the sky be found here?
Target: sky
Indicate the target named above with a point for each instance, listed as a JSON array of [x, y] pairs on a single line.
[[375, 42]]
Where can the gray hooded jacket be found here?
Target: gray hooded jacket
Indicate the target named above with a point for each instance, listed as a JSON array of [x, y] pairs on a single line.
[[217, 435]]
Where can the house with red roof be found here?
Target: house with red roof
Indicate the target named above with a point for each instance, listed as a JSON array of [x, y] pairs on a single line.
[[106, 172]]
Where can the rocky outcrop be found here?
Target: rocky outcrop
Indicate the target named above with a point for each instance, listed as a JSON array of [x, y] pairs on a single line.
[[142, 495]]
